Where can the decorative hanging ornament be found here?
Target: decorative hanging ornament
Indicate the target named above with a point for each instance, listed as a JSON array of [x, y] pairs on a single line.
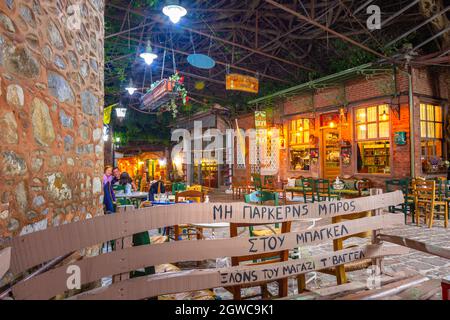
[[148, 55], [201, 61], [131, 88], [199, 85], [174, 10]]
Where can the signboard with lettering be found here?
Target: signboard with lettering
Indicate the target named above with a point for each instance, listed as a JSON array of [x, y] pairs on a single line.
[[260, 120], [77, 235], [240, 82]]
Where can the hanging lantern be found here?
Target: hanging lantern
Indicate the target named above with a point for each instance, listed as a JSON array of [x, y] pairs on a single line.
[[131, 88], [148, 55], [121, 112], [105, 133], [174, 10]]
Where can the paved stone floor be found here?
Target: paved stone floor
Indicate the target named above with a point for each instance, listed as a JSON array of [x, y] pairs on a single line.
[[425, 264]]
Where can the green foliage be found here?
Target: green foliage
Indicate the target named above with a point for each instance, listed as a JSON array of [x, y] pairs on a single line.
[[145, 3], [348, 56]]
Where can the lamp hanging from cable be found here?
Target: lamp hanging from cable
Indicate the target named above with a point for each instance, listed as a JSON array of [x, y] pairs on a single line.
[[131, 88], [174, 10], [121, 112], [148, 54]]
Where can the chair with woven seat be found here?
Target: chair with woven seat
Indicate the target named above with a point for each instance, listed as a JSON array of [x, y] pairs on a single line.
[[260, 197], [186, 229], [307, 189], [426, 201], [322, 190], [338, 244]]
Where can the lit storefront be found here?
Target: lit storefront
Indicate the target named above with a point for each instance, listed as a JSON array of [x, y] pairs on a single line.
[[360, 126]]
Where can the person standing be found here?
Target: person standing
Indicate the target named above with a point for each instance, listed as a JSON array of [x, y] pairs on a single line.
[[116, 176], [109, 198]]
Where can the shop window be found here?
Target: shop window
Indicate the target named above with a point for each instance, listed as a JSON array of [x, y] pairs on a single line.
[[373, 139], [300, 131], [431, 138]]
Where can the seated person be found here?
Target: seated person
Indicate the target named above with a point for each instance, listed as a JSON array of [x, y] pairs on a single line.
[[156, 187], [127, 182]]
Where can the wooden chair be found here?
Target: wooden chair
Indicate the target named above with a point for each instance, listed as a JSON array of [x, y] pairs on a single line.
[[341, 271], [177, 187], [239, 186], [260, 197], [195, 187], [307, 187], [408, 205], [425, 200], [322, 190], [257, 182], [192, 195]]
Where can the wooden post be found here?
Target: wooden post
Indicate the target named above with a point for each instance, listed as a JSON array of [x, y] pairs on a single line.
[[375, 233], [121, 244]]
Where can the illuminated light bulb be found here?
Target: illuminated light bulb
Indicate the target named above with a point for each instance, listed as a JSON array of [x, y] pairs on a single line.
[[131, 88], [121, 112], [384, 116], [269, 133], [332, 124], [148, 55], [174, 11], [300, 129], [363, 127]]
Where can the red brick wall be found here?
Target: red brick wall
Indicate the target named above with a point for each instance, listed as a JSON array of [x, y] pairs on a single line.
[[372, 91]]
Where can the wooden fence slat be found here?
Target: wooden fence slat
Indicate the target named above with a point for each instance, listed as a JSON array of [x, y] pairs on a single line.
[[192, 280], [53, 282], [29, 251], [5, 261], [417, 245]]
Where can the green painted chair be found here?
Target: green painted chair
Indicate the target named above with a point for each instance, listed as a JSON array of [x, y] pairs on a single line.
[[408, 206], [118, 187], [269, 182], [444, 189], [307, 189], [123, 201], [178, 187], [257, 182], [322, 191], [259, 197]]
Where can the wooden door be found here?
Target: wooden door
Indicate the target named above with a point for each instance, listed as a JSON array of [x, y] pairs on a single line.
[[331, 164]]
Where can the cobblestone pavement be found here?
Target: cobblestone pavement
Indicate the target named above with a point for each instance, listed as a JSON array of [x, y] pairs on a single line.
[[415, 261]]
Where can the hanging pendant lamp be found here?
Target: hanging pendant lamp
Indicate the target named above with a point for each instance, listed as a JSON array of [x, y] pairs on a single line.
[[148, 54], [174, 10]]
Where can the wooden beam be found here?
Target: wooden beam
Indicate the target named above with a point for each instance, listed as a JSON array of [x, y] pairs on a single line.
[[187, 53], [416, 245], [325, 28], [162, 21]]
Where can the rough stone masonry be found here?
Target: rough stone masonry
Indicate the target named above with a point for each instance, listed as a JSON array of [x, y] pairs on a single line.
[[51, 105]]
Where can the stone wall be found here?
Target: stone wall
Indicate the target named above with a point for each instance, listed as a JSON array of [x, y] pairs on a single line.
[[51, 102]]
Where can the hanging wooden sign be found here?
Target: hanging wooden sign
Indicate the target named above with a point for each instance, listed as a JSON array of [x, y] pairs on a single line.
[[260, 120], [160, 93], [240, 82]]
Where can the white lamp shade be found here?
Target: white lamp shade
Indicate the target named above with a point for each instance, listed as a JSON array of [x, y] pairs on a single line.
[[148, 57], [174, 12]]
